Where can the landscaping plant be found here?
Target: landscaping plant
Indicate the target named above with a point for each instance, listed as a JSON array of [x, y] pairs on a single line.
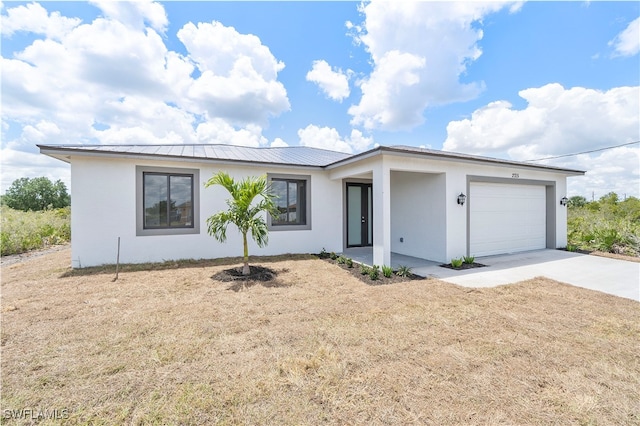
[[457, 263], [374, 272], [387, 271], [403, 271], [469, 260], [243, 212]]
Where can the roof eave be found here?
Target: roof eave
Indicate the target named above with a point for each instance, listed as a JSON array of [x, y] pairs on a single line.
[[452, 157]]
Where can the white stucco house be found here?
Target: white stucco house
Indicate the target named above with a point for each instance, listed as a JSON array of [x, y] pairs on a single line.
[[395, 199]]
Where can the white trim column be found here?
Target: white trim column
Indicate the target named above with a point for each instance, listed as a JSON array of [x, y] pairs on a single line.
[[381, 214]]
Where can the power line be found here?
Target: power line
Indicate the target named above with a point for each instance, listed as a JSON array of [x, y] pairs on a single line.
[[584, 152]]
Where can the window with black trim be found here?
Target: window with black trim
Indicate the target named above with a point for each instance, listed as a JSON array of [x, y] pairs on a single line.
[[167, 201], [292, 198]]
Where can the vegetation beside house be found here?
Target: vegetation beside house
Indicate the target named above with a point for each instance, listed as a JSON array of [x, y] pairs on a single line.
[[609, 224], [24, 231]]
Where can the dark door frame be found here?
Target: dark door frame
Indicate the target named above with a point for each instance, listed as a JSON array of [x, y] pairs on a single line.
[[364, 211]]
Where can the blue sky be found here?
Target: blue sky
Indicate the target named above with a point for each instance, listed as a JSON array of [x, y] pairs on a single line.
[[522, 81]]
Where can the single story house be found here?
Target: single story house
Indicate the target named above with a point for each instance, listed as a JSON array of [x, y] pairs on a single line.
[[423, 203]]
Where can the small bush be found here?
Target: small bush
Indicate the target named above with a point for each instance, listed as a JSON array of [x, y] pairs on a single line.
[[469, 260], [387, 271], [333, 255], [364, 269], [349, 262], [341, 260], [374, 272], [403, 271], [323, 254], [457, 263], [572, 247]]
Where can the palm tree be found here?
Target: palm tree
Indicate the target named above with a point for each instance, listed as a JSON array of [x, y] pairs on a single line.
[[243, 212]]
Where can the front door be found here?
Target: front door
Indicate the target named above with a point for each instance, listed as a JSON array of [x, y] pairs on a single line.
[[359, 215]]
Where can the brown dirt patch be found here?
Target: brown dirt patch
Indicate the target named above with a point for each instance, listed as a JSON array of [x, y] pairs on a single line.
[[170, 345]]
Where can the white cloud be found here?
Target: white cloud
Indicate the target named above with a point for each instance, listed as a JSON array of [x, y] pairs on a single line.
[[17, 164], [135, 13], [560, 121], [219, 131], [329, 138], [616, 170], [278, 143], [238, 78], [113, 80], [335, 84], [420, 65], [627, 43], [34, 18], [555, 120]]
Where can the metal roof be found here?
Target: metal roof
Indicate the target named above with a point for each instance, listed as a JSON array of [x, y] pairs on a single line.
[[293, 155], [301, 156]]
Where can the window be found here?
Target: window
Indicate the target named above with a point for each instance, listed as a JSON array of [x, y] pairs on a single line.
[[292, 201], [167, 201]]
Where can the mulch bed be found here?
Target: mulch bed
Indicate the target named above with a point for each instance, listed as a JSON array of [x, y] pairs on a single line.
[[464, 266], [382, 280], [256, 273], [262, 275]]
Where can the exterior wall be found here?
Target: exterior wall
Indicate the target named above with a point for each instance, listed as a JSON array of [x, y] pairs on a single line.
[[414, 198], [104, 208], [418, 215]]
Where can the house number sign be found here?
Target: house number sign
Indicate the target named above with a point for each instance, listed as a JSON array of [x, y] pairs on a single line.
[[515, 175]]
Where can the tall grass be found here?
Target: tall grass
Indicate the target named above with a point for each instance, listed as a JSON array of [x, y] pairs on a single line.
[[612, 227], [24, 231]]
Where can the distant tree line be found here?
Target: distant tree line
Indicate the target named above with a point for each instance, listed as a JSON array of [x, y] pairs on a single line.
[[35, 194]]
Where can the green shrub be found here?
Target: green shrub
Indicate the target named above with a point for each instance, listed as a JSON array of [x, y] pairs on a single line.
[[457, 263], [403, 271], [374, 272], [387, 271], [364, 269], [469, 260], [349, 262], [341, 260], [323, 254], [333, 255]]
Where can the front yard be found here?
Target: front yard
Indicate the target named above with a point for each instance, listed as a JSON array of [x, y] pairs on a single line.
[[315, 346]]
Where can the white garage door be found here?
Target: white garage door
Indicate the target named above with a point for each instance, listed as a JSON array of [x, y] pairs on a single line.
[[506, 218]]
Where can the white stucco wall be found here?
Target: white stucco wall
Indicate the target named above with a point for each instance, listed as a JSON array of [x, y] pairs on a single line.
[[414, 198], [104, 208], [418, 214]]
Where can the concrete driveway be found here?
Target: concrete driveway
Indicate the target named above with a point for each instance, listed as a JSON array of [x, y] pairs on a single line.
[[613, 276]]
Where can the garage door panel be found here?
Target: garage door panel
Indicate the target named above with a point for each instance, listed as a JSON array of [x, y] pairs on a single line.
[[506, 218]]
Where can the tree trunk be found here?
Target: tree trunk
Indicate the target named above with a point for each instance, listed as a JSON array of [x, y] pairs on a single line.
[[245, 267]]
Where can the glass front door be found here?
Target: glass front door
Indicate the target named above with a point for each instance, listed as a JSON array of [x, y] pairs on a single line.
[[359, 215]]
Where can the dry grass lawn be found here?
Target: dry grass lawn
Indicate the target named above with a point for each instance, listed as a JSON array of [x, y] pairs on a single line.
[[173, 346]]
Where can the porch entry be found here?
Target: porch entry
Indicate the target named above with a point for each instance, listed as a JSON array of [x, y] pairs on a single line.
[[359, 215]]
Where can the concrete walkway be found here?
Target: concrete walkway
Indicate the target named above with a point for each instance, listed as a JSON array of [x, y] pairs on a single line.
[[612, 276]]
